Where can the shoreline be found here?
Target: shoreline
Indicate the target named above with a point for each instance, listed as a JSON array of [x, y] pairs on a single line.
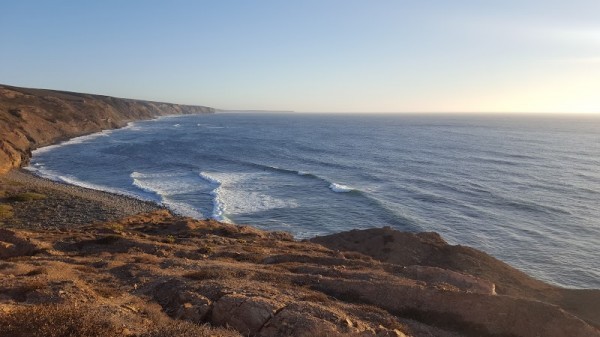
[[34, 118], [135, 268], [201, 270], [79, 211], [85, 205]]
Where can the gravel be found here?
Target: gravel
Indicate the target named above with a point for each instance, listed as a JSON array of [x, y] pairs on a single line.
[[65, 205]]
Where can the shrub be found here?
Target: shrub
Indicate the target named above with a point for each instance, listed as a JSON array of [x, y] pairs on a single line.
[[187, 329], [6, 211], [27, 196], [117, 227], [55, 321]]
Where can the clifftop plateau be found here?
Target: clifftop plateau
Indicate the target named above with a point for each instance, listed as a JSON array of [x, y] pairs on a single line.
[[32, 118]]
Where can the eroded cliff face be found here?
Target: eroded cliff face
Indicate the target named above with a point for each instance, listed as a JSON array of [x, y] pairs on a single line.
[[32, 118]]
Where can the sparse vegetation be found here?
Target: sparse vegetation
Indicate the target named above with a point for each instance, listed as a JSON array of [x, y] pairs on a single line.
[[215, 274], [6, 211], [55, 321], [37, 271], [185, 329], [117, 227], [27, 196], [205, 250]]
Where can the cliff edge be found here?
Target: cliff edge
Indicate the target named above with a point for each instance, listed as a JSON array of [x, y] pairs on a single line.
[[32, 118]]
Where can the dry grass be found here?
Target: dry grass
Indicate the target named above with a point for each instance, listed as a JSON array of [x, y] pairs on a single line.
[[187, 329], [27, 196], [215, 274], [117, 227], [56, 321], [37, 271], [6, 211]]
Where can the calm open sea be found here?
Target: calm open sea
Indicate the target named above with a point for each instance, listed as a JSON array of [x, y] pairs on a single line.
[[525, 189]]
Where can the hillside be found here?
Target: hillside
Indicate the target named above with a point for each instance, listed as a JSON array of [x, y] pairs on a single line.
[[32, 118]]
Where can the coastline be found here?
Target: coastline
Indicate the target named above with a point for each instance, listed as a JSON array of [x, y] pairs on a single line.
[[334, 269], [85, 205], [139, 269], [33, 118]]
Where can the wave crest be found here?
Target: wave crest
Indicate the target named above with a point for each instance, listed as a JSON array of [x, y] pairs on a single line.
[[339, 188]]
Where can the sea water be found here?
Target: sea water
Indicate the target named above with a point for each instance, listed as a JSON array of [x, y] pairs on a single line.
[[524, 189]]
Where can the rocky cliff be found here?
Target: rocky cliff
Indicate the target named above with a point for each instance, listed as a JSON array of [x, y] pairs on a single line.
[[32, 118]]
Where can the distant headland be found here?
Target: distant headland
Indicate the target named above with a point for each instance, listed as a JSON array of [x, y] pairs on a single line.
[[32, 118]]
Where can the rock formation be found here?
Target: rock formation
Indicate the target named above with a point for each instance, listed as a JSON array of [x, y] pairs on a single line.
[[265, 283]]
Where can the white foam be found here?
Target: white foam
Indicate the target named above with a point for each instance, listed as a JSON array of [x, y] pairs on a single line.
[[136, 174], [218, 212], [67, 179], [164, 186], [72, 141], [208, 178], [83, 139], [339, 188], [239, 193]]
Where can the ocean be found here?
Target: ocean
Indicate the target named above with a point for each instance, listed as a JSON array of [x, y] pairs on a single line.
[[524, 189]]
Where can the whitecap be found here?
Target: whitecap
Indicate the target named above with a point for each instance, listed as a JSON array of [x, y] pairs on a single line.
[[339, 188], [71, 180], [238, 193], [164, 186], [218, 212], [72, 141]]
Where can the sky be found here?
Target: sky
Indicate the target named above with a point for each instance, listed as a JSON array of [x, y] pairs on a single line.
[[313, 55]]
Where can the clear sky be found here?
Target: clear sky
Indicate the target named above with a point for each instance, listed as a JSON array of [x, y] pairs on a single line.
[[313, 55]]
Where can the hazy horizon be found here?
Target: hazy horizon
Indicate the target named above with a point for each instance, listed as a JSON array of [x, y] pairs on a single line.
[[462, 57]]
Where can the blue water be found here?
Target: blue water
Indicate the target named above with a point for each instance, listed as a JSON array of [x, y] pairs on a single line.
[[524, 189]]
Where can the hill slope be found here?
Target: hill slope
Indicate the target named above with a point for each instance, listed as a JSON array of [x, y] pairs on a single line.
[[32, 118]]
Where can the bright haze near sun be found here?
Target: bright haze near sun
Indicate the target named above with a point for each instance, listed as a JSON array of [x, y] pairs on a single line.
[[313, 55]]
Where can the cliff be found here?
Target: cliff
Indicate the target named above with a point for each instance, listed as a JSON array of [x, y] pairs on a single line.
[[32, 118]]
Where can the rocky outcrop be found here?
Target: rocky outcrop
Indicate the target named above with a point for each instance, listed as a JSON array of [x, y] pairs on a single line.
[[32, 118], [12, 244], [419, 253], [265, 284]]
